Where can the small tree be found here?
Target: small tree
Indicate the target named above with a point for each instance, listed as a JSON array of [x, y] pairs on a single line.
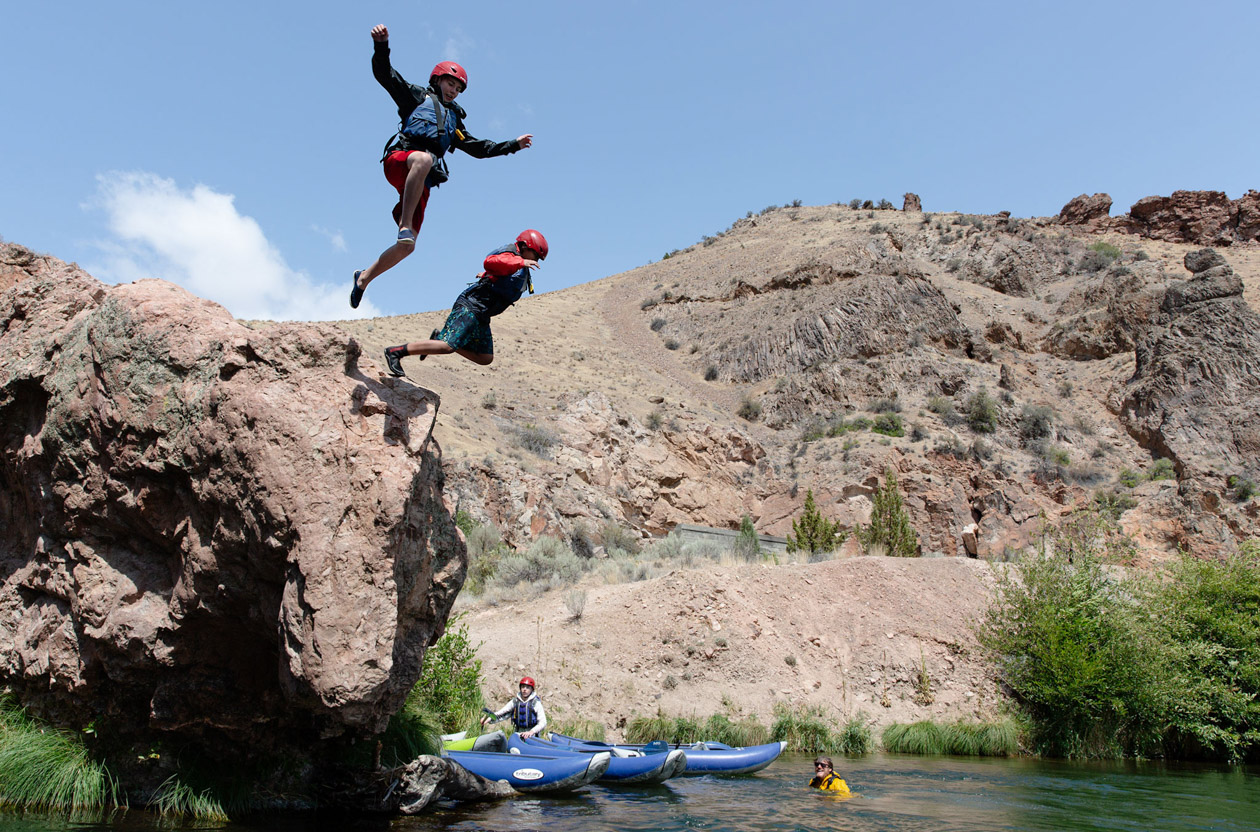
[[890, 523], [813, 532], [748, 544]]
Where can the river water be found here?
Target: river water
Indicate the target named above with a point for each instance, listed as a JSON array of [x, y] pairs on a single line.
[[893, 793]]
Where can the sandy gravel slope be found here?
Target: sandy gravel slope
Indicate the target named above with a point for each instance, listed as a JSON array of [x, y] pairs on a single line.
[[850, 635]]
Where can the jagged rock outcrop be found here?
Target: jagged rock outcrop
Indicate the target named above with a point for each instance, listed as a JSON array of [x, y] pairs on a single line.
[[1092, 211], [1005, 264], [1206, 218], [1195, 390], [234, 537], [607, 463], [864, 316], [1106, 314], [912, 204]]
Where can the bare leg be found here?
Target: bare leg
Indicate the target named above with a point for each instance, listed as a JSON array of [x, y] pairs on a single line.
[[388, 258], [435, 347], [418, 166]]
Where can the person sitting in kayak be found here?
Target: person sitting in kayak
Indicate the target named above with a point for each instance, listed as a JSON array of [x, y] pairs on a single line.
[[826, 779], [526, 710]]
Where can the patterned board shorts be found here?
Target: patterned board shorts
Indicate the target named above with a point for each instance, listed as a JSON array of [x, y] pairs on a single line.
[[464, 330]]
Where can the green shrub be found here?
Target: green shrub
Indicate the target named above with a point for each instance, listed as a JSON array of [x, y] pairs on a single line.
[[537, 440], [812, 532], [486, 550], [450, 678], [1243, 488], [547, 558], [1069, 643], [890, 527], [941, 405], [710, 373], [657, 324], [1162, 469], [1113, 503], [617, 539], [1036, 422], [1128, 477], [889, 424], [1208, 616], [749, 409], [982, 412]]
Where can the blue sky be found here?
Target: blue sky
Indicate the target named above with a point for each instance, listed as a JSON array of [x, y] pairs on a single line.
[[234, 146]]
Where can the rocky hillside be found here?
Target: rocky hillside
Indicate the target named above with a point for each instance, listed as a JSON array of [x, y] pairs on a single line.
[[1034, 365]]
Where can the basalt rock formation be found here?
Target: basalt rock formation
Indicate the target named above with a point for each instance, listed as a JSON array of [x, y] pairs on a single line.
[[1195, 391], [1208, 218], [226, 537]]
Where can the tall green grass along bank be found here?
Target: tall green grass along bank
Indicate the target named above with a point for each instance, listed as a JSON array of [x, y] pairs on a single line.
[[968, 739], [1103, 664], [49, 770], [807, 729], [740, 732]]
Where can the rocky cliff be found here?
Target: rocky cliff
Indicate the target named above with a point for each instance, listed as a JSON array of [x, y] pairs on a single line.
[[230, 537]]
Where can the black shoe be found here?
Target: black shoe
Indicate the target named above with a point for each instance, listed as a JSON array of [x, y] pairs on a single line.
[[432, 337], [356, 294], [393, 361]]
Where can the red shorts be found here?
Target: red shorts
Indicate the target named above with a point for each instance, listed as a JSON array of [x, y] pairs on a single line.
[[396, 173]]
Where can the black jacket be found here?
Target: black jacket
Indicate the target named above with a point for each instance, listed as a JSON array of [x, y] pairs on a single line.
[[408, 97]]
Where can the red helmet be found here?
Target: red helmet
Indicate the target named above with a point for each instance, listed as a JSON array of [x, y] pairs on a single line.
[[535, 240], [449, 68], [528, 681]]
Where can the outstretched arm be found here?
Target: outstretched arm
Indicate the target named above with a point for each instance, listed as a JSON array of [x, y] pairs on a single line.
[[484, 148]]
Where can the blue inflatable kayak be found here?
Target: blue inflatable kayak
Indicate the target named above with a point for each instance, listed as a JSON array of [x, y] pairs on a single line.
[[533, 773], [624, 767], [702, 757]]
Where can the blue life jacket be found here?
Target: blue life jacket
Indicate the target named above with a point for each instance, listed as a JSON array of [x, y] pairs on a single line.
[[431, 126], [524, 716]]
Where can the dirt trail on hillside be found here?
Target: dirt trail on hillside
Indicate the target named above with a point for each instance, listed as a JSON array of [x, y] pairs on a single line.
[[850, 635]]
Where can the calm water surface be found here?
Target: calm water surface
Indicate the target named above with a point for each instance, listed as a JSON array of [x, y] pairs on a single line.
[[894, 793]]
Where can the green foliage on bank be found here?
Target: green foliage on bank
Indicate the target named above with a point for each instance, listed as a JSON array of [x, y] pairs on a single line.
[[45, 769], [738, 732], [961, 738], [1105, 664], [808, 729]]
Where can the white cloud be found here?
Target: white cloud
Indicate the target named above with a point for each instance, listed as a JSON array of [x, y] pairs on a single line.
[[336, 238], [198, 239], [457, 44]]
